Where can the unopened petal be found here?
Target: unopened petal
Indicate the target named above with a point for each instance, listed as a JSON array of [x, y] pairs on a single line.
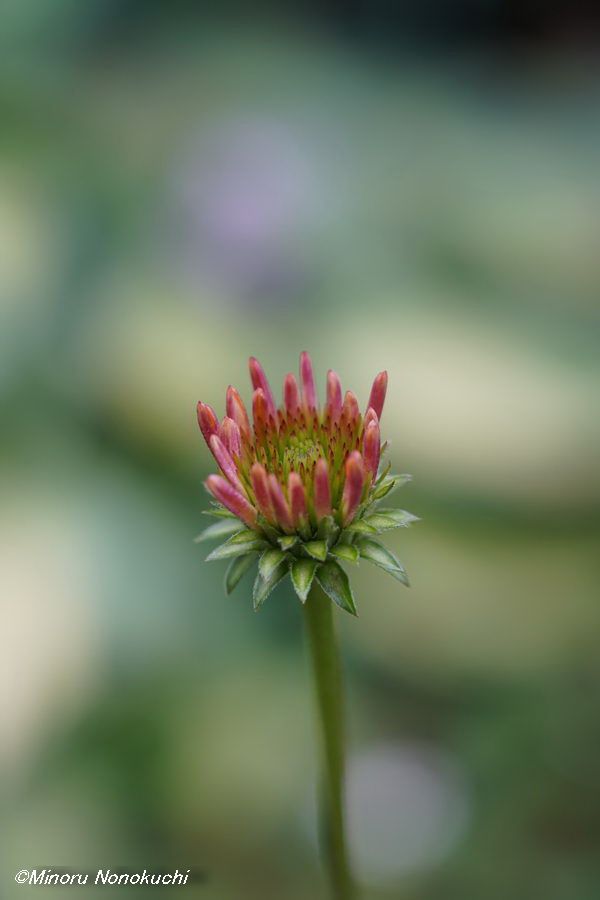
[[259, 380], [378, 392], [226, 494], [309, 391], [207, 420], [297, 497], [334, 395], [229, 433], [280, 505], [322, 492], [291, 394], [223, 458], [237, 411], [260, 485], [353, 486], [372, 448]]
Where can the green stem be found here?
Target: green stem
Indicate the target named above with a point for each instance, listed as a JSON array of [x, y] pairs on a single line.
[[328, 683]]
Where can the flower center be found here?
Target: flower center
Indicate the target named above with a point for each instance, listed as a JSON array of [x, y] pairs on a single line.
[[301, 451]]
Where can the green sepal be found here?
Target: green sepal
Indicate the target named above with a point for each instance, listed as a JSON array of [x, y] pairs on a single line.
[[269, 561], [287, 541], [237, 545], [219, 512], [347, 552], [264, 586], [219, 529], [271, 533], [388, 484], [328, 530], [376, 553], [303, 572], [316, 549], [336, 585], [401, 517], [360, 527], [236, 570]]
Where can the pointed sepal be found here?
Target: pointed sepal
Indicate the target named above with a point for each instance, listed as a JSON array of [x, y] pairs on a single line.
[[303, 573], [336, 585], [241, 543], [220, 529], [264, 586], [379, 555], [236, 570]]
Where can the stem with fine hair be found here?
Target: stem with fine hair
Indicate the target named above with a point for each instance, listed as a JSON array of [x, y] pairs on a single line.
[[318, 614]]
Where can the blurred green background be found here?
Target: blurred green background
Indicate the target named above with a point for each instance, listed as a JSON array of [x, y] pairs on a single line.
[[405, 187]]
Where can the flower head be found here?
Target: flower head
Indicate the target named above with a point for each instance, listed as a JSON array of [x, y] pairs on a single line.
[[299, 485]]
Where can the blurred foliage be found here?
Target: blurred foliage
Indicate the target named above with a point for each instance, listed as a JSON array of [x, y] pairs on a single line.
[[178, 192]]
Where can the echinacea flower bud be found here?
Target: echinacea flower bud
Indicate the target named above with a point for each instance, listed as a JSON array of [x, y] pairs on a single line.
[[207, 420], [305, 479], [226, 494], [355, 479], [378, 392]]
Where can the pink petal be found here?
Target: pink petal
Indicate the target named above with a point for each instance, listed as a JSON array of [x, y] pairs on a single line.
[[259, 380], [371, 416], [280, 505], [350, 409], [372, 448], [291, 394], [353, 486], [378, 392], [207, 420], [226, 464], [322, 490], [258, 476], [226, 494], [230, 436], [334, 395], [297, 499], [237, 411], [309, 392], [260, 410]]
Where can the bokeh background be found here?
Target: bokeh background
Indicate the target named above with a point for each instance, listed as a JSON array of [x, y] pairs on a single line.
[[410, 186]]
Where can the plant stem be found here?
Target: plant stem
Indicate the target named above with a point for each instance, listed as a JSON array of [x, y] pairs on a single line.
[[318, 613]]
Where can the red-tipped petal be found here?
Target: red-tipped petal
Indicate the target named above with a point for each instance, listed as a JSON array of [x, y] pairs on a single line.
[[207, 420], [350, 409], [372, 448], [309, 391], [260, 410], [258, 476], [334, 395], [237, 411], [291, 394], [280, 505], [322, 490], [230, 436], [371, 416], [297, 499], [226, 494], [226, 464], [259, 380], [353, 486], [378, 391]]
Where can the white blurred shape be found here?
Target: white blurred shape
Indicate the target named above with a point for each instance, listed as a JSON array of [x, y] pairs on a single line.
[[408, 808]]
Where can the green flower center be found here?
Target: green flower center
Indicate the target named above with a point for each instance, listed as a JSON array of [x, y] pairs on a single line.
[[301, 451]]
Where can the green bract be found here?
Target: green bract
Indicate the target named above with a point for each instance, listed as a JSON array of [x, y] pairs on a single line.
[[273, 557]]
